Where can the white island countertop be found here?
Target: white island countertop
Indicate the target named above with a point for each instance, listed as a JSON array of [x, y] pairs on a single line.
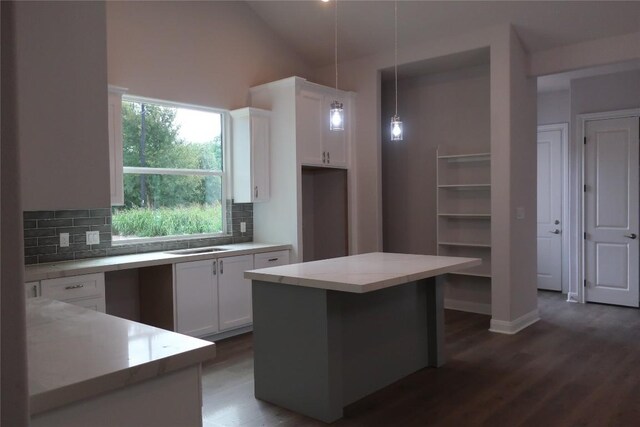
[[362, 273], [75, 353]]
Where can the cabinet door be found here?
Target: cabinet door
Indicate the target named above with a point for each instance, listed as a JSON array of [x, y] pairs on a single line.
[[260, 157], [196, 301], [311, 118], [234, 291], [270, 259], [335, 143]]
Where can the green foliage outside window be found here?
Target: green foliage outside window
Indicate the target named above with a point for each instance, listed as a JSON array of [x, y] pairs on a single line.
[[161, 204]]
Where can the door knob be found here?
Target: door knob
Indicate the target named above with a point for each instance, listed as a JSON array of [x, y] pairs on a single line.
[[631, 236], [556, 222], [556, 231]]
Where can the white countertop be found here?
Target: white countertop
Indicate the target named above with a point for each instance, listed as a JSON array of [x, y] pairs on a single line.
[[75, 353], [362, 273], [123, 262]]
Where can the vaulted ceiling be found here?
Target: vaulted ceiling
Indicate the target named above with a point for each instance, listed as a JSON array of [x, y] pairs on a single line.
[[366, 27]]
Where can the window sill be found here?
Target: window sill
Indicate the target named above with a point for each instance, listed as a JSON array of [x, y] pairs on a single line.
[[124, 242]]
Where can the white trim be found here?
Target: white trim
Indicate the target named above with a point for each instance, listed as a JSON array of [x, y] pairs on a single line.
[[572, 297], [566, 218], [577, 237], [467, 306], [169, 171], [515, 326]]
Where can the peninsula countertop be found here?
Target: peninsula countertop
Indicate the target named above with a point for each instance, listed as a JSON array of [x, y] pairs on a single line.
[[75, 353], [122, 262], [362, 273]]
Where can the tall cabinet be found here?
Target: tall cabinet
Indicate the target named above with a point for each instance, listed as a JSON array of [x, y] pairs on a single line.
[[299, 136], [464, 220]]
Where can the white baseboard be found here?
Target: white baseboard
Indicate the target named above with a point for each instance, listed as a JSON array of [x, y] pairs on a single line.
[[572, 297], [515, 326], [468, 306]]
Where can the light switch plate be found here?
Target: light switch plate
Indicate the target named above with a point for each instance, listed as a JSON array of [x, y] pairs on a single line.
[[243, 227], [64, 240], [93, 237], [520, 213]]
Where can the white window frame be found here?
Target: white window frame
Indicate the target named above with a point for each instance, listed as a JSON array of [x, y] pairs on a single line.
[[223, 174]]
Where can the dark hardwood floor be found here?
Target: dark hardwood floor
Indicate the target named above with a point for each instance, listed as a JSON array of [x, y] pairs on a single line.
[[578, 366]]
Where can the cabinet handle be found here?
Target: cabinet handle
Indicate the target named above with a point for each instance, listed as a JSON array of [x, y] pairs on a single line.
[[215, 265], [255, 190], [328, 158], [272, 259], [221, 267], [74, 286], [35, 291], [323, 157]]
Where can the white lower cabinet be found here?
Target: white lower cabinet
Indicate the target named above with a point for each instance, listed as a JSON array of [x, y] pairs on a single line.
[[212, 295], [196, 298], [86, 290], [234, 292], [270, 259]]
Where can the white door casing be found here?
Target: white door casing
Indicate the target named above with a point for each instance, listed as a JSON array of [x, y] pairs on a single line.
[[611, 253], [550, 209]]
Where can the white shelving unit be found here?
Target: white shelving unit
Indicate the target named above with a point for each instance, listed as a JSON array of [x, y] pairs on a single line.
[[464, 211]]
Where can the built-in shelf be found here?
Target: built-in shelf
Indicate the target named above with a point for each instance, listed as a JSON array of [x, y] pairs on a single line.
[[465, 215], [462, 273], [469, 245], [475, 157], [465, 186]]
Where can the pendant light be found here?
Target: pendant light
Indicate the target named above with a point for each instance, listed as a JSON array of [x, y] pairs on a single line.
[[336, 114], [396, 123]]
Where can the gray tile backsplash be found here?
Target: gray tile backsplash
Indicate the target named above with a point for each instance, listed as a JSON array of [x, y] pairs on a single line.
[[42, 234]]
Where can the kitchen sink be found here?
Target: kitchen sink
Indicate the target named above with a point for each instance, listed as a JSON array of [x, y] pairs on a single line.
[[195, 251]]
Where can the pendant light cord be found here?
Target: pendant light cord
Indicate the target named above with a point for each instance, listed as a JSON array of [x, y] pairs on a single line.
[[395, 49], [335, 29]]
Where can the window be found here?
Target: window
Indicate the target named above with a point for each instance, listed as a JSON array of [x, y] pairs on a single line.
[[173, 172]]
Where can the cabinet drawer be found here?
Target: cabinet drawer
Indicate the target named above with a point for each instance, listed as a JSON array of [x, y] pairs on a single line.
[[271, 259], [76, 287], [97, 304]]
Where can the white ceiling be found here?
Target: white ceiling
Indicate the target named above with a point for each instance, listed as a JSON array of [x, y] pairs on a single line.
[[366, 27]]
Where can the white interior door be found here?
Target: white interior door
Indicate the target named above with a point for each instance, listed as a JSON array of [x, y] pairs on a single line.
[[611, 211], [549, 238]]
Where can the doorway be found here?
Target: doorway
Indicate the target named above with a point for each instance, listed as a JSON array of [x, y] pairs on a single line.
[[610, 248], [552, 184]]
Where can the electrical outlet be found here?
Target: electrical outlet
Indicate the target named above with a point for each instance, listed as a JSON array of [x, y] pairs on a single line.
[[93, 237], [243, 227], [64, 240]]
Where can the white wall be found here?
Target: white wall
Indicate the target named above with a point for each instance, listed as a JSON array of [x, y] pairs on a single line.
[[432, 108], [204, 53], [554, 107], [14, 389], [512, 139], [62, 104]]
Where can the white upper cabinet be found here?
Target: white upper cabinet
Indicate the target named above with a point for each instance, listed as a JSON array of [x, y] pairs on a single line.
[[309, 127], [317, 144], [335, 143], [251, 129], [115, 144]]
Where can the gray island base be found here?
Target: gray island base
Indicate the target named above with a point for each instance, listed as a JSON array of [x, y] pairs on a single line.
[[328, 333]]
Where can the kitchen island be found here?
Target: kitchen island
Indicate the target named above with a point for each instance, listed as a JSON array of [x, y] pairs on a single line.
[[328, 333], [91, 369]]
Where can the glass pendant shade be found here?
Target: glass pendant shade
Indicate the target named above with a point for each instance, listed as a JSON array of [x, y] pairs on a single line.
[[396, 129], [336, 116]]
